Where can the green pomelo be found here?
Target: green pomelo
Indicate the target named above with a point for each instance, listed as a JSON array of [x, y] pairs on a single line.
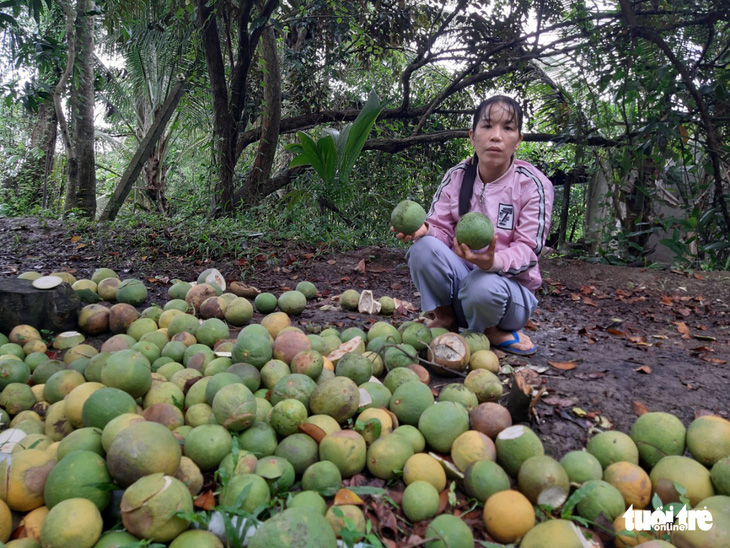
[[16, 371], [484, 384], [346, 449], [349, 300], [451, 531], [400, 355], [323, 477], [554, 532], [292, 302], [265, 303], [354, 366], [418, 336], [260, 439], [278, 473], [461, 394], [239, 311], [295, 527], [156, 339], [249, 375], [300, 450], [295, 386], [409, 401], [658, 435], [103, 273], [379, 394], [385, 330], [17, 397], [128, 370], [308, 289], [613, 446], [83, 439], [581, 467], [307, 362], [131, 292], [197, 356], [218, 381], [684, 471], [708, 439], [234, 407], [150, 505], [397, 377], [274, 371], [286, 416], [140, 449], [253, 349], [81, 474], [475, 230], [601, 498], [183, 323], [720, 475], [717, 535], [309, 500], [105, 404], [413, 435], [141, 326], [442, 423], [420, 501], [338, 397], [74, 522], [515, 445], [206, 445], [195, 539], [407, 217], [387, 456], [483, 478], [475, 340], [544, 481], [211, 331], [179, 290]]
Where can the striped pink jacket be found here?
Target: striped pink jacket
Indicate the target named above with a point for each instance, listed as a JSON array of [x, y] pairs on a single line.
[[519, 204]]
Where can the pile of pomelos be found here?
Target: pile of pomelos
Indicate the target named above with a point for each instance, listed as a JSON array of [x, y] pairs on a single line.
[[173, 421]]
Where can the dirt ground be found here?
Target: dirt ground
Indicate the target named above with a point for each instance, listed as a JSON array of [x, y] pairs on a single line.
[[612, 340]]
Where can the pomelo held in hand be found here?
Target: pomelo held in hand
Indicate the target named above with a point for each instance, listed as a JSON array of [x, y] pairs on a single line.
[[407, 217], [475, 230]]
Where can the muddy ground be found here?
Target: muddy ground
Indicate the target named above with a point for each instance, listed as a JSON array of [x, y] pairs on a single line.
[[612, 340]]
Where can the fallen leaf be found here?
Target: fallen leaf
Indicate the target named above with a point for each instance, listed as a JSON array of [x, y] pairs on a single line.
[[557, 401], [313, 431], [616, 332], [699, 277], [574, 297], [704, 338], [331, 261], [716, 361], [345, 496], [682, 329], [75, 239], [644, 369], [443, 501], [564, 366], [206, 501], [360, 266], [589, 302], [578, 411], [638, 339], [639, 408]]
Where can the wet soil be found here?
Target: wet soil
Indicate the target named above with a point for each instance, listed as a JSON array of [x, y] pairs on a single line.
[[613, 341]]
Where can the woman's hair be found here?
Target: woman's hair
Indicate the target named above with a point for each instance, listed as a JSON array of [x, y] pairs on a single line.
[[484, 110]]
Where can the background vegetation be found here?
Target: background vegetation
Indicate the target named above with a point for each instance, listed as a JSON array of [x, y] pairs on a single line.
[[626, 104]]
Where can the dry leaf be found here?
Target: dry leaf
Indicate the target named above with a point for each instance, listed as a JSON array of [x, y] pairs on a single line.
[[699, 277], [716, 361], [564, 366], [589, 302], [360, 266], [639, 408], [683, 329], [616, 332], [345, 496], [644, 369], [331, 261], [206, 501], [313, 431], [75, 239], [574, 297]]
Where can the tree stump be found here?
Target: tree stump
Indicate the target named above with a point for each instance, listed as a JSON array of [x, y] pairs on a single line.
[[52, 309]]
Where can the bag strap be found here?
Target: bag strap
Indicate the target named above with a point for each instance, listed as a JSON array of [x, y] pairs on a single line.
[[467, 186]]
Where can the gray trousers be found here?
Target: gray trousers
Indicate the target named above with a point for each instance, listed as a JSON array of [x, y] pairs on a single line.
[[480, 299]]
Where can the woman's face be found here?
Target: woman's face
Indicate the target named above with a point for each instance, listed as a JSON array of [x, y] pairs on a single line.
[[495, 139]]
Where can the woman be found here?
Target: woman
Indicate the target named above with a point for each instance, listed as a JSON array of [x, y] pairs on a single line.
[[489, 290]]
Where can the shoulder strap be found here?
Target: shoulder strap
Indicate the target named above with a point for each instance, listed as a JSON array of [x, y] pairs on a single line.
[[467, 186]]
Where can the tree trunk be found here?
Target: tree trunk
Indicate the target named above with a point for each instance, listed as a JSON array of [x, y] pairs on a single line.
[[82, 168], [253, 190]]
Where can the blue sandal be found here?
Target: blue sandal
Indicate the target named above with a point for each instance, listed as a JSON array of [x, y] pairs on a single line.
[[508, 346]]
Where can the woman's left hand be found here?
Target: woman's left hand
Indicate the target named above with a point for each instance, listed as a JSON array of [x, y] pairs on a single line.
[[483, 260]]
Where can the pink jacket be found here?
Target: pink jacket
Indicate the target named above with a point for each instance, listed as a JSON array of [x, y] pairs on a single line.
[[519, 204]]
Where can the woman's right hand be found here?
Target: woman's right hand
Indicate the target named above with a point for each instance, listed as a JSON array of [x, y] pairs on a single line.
[[422, 231]]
